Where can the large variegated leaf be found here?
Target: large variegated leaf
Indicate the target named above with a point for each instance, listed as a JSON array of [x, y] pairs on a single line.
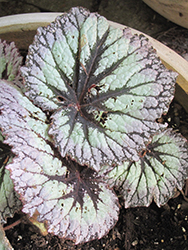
[[71, 199], [104, 88], [161, 169], [9, 200], [10, 61]]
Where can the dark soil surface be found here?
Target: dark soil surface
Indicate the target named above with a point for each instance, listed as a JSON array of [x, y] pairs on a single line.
[[137, 228]]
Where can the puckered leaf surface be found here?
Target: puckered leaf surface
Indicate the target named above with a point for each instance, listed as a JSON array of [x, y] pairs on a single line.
[[72, 199], [161, 169], [10, 61], [9, 200], [104, 88]]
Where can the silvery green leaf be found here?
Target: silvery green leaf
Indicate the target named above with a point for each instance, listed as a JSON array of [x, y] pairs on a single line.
[[103, 86], [10, 61], [160, 171], [71, 199], [9, 200], [10, 98]]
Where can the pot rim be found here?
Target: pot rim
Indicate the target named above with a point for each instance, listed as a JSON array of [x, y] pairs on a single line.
[[26, 21], [173, 10]]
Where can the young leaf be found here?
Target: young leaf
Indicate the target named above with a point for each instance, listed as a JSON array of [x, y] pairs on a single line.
[[71, 199], [104, 87], [161, 169], [10, 61], [9, 200]]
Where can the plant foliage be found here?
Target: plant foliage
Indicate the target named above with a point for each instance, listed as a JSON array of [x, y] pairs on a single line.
[[10, 61], [85, 121], [73, 199], [104, 87], [160, 170], [9, 199]]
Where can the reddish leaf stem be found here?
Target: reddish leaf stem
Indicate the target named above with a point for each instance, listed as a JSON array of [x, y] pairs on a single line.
[[12, 225]]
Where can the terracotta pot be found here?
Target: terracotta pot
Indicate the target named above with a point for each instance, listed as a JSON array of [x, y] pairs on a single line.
[[22, 28], [174, 10]]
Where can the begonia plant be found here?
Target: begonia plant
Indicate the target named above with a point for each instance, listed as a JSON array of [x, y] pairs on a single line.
[[82, 121]]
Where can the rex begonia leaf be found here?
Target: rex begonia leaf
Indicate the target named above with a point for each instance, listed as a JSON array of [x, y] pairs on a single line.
[[160, 171], [103, 86], [9, 200], [10, 61], [71, 199]]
